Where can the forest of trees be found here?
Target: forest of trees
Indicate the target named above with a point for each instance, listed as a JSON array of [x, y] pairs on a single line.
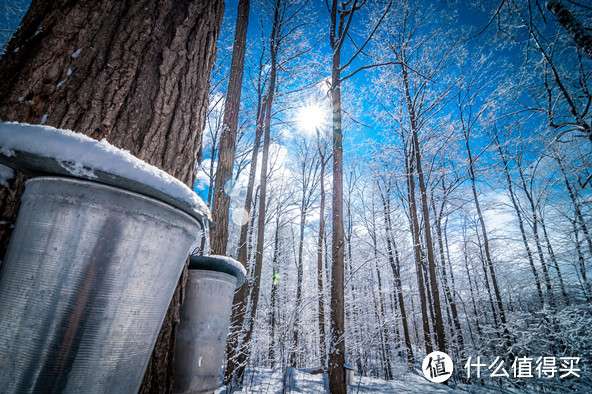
[[444, 193], [397, 176]]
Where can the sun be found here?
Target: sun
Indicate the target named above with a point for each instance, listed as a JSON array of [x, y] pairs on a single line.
[[311, 117]]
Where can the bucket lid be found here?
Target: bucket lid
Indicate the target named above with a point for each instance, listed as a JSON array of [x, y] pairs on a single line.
[[225, 264], [43, 150]]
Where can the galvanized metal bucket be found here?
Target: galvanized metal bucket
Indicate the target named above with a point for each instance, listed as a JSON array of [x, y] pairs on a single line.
[[85, 285], [205, 317]]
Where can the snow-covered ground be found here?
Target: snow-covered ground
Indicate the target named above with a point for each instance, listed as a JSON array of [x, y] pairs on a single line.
[[270, 381]]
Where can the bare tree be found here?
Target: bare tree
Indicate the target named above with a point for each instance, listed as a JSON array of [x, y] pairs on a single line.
[[221, 200], [342, 14]]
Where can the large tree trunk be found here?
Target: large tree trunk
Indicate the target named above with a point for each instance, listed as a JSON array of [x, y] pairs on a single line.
[[133, 72], [221, 200], [337, 345], [237, 358], [573, 26]]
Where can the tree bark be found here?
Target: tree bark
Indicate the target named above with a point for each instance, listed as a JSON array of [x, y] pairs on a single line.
[[133, 72], [573, 26], [320, 269], [337, 321], [576, 204], [414, 222], [337, 347], [221, 200], [243, 355], [240, 299]]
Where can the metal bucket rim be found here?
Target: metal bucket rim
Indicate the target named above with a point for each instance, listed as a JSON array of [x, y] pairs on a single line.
[[218, 263], [233, 278], [78, 181]]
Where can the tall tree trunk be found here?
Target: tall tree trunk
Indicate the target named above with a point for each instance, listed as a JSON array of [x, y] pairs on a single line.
[[238, 351], [337, 344], [243, 355], [320, 269], [414, 221], [573, 26], [582, 266], [274, 287], [240, 299], [486, 278], [117, 70], [247, 330], [300, 268], [576, 204], [226, 151], [433, 283]]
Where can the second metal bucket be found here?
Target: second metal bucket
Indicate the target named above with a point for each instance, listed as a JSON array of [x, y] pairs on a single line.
[[84, 288], [205, 317]]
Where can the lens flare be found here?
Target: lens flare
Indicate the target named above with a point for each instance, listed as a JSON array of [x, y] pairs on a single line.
[[229, 187], [240, 216]]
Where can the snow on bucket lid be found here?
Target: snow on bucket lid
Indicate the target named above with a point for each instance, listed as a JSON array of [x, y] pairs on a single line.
[[225, 264], [42, 150]]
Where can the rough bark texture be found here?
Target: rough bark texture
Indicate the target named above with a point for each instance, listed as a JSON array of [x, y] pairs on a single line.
[[573, 26], [239, 353], [337, 321], [221, 200], [337, 346], [133, 72]]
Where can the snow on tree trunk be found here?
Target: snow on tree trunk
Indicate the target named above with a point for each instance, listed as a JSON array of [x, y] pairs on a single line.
[[135, 73]]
